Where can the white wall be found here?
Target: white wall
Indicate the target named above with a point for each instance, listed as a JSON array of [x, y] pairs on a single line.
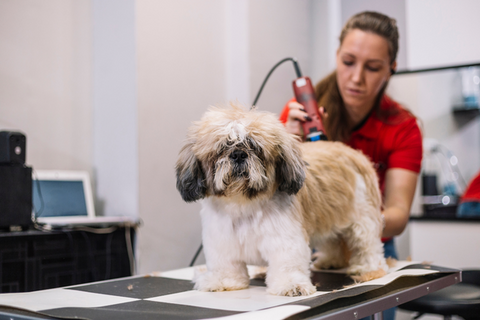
[[442, 32], [115, 138], [278, 29], [45, 80], [181, 71], [68, 82], [325, 28], [237, 51]]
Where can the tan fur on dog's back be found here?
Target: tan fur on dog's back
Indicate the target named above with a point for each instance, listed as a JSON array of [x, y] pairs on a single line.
[[332, 169]]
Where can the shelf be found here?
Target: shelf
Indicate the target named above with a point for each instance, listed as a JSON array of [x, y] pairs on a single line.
[[474, 64], [467, 111]]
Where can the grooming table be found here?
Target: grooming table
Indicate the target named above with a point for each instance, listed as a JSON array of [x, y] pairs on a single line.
[[170, 295]]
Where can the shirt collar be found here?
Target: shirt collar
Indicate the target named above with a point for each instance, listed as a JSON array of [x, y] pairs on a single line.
[[371, 127]]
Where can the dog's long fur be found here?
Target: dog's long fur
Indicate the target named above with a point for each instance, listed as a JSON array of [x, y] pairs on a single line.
[[266, 197]]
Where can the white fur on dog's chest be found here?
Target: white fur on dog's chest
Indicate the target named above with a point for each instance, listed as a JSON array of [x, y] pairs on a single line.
[[247, 230]]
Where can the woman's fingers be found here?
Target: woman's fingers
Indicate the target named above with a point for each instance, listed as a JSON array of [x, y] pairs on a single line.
[[297, 112], [294, 105], [295, 118], [297, 115]]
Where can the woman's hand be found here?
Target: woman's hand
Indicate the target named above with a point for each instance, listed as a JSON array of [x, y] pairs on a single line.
[[297, 115]]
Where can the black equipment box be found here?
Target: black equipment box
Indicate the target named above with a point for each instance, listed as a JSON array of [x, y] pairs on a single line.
[[12, 147], [15, 195]]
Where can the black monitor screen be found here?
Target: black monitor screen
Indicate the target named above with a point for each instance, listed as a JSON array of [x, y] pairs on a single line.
[[60, 198]]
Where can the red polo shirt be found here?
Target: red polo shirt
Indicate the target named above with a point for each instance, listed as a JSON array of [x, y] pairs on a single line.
[[393, 143]]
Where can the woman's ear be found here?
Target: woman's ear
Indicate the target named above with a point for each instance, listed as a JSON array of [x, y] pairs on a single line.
[[393, 68]]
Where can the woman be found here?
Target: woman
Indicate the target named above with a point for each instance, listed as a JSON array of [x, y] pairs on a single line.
[[356, 110]]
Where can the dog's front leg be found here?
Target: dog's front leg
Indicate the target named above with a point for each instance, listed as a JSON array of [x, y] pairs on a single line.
[[223, 277], [226, 270], [288, 256]]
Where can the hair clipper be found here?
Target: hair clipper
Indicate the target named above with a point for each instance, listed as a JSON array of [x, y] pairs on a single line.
[[305, 95]]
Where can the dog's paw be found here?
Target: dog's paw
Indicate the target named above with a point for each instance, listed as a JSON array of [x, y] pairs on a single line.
[[357, 269], [293, 290], [211, 282], [369, 271], [290, 284], [364, 277]]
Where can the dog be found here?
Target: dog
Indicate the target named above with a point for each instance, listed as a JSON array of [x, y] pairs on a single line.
[[266, 197]]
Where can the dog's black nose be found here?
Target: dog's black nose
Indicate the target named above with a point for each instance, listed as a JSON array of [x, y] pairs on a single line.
[[238, 156]]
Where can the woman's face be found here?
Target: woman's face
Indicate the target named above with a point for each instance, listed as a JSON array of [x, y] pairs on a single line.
[[363, 67]]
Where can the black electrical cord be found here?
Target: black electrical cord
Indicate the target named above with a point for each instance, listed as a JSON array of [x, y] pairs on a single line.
[[299, 75], [108, 253], [196, 255], [297, 71]]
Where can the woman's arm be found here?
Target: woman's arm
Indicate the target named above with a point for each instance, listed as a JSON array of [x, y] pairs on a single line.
[[400, 187]]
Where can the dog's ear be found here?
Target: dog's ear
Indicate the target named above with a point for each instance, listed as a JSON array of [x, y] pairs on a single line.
[[290, 169], [190, 177]]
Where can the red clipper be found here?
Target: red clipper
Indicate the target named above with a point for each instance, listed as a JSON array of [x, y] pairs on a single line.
[[305, 94]]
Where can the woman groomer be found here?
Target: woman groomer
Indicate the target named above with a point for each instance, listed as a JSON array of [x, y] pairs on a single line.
[[356, 111]]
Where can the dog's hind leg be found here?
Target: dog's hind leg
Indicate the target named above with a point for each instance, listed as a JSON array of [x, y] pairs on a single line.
[[366, 248], [365, 245], [363, 237]]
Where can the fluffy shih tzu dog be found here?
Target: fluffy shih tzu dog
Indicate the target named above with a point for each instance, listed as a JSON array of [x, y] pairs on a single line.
[[266, 198]]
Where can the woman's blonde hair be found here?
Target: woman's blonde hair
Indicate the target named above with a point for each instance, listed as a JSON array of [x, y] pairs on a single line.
[[327, 92]]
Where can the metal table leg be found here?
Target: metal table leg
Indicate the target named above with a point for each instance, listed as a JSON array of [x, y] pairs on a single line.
[[377, 316]]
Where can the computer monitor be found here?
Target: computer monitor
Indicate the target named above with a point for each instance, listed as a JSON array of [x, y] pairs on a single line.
[[63, 195]]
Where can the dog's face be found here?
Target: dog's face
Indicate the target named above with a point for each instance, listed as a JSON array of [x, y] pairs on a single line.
[[235, 152]]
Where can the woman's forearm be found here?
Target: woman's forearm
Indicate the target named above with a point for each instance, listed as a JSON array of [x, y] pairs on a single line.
[[396, 220]]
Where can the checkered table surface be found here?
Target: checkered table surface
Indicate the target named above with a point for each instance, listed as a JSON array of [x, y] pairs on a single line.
[[170, 295]]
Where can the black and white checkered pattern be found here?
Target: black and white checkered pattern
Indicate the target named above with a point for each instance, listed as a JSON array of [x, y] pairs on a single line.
[[170, 295]]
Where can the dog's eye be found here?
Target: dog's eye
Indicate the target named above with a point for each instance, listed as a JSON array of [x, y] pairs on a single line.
[[250, 144]]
